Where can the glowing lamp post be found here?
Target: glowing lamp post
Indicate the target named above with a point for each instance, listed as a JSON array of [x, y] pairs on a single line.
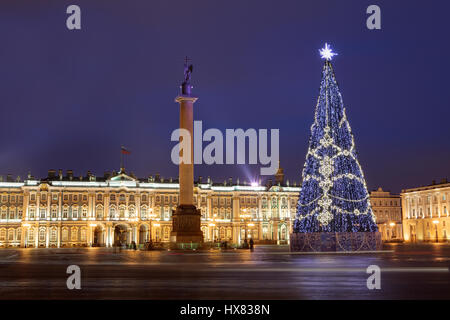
[[436, 224], [245, 216]]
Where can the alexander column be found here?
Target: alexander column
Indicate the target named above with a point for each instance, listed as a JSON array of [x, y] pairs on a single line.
[[186, 219]]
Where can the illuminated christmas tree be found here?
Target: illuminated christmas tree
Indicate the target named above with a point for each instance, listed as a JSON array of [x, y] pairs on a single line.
[[333, 196]]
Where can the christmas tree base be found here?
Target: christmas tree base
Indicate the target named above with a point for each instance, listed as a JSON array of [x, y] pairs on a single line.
[[335, 241]]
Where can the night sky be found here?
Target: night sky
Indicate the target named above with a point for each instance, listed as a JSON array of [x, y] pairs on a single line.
[[70, 99]]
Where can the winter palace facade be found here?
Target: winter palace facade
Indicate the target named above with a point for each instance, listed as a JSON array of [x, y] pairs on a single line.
[[66, 211]]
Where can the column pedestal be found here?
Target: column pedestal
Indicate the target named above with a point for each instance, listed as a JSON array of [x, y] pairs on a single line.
[[186, 232]]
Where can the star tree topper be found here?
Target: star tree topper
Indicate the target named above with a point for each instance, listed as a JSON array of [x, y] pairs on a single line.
[[327, 53]]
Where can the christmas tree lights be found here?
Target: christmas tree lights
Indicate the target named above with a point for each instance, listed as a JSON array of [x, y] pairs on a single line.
[[334, 196]]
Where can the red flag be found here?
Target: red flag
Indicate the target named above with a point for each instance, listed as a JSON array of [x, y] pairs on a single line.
[[124, 151]]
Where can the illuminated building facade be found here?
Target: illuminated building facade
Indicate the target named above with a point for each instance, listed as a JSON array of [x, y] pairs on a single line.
[[426, 212], [67, 211], [388, 211]]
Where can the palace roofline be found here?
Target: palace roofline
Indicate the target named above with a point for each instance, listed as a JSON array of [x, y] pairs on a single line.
[[122, 179], [443, 184]]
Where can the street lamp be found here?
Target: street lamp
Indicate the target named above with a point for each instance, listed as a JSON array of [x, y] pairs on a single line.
[[245, 216], [436, 223]]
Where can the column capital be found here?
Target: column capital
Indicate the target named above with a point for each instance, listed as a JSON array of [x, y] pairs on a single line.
[[182, 98]]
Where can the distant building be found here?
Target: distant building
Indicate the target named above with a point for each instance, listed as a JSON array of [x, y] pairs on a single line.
[[426, 212], [387, 208]]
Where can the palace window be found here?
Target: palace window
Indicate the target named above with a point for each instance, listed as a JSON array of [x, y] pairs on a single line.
[[84, 212], [74, 213], [42, 234], [33, 197], [66, 197], [99, 197], [53, 234], [144, 198], [42, 213], [12, 212], [65, 234], [75, 198], [11, 235], [54, 212], [122, 213], [32, 212], [43, 197], [31, 234], [2, 235], [19, 213], [19, 234], [83, 234], [131, 197], [144, 213], [121, 197], [74, 234], [131, 211], [13, 199], [65, 213], [55, 196], [84, 197], [99, 212], [112, 212], [113, 197]]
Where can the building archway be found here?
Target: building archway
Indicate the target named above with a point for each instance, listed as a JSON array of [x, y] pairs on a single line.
[[99, 237], [143, 233]]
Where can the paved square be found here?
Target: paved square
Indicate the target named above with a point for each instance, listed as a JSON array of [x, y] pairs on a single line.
[[269, 272]]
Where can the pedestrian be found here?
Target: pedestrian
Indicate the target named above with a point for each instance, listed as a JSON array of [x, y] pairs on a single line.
[[251, 244]]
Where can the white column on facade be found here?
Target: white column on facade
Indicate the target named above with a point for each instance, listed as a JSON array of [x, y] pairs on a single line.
[[439, 196], [90, 215], [47, 235], [106, 206], [38, 206], [49, 199], [36, 235], [59, 235], [60, 196]]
